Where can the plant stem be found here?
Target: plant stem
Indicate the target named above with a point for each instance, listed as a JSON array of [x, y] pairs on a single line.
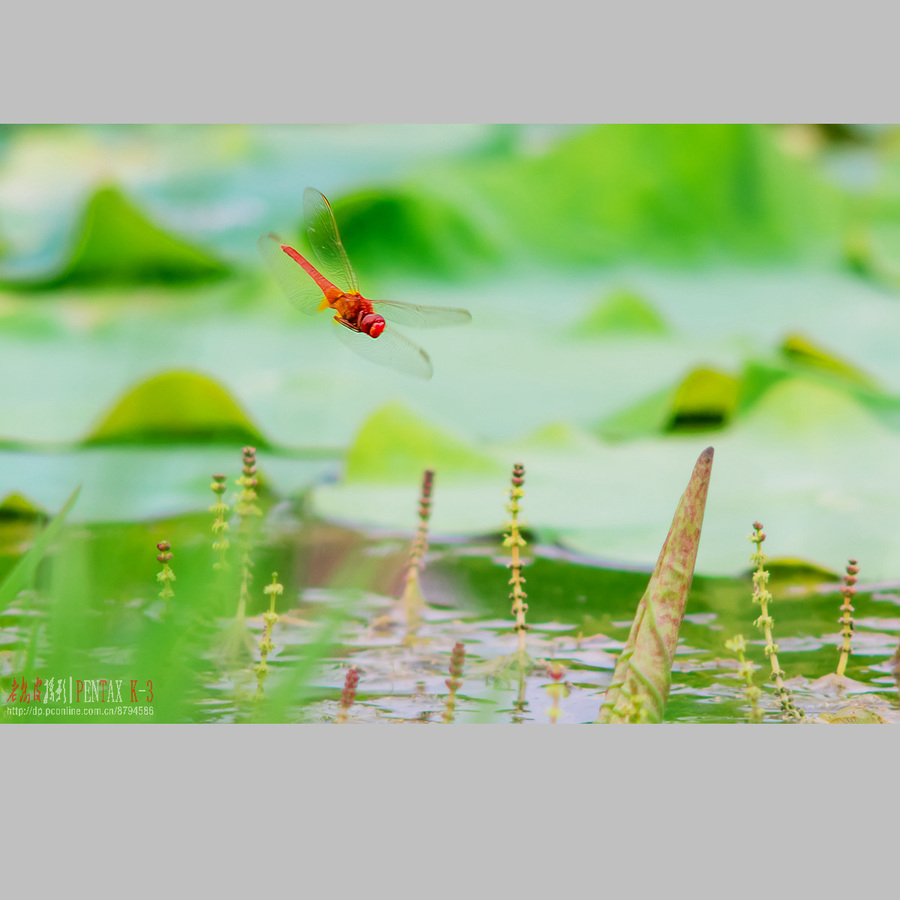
[[453, 683], [348, 695], [246, 508], [738, 645], [514, 541], [220, 526], [265, 643], [412, 594], [848, 591], [762, 596]]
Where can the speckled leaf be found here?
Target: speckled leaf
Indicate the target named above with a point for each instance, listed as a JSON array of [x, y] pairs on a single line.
[[644, 668]]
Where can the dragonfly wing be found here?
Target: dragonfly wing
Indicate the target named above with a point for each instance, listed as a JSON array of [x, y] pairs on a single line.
[[326, 242], [389, 349], [301, 290], [421, 316]]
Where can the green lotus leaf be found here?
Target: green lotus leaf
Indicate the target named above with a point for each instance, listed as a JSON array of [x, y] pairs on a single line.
[[705, 399], [175, 407], [394, 444], [411, 231], [116, 243], [646, 417], [666, 193], [800, 350], [801, 409], [621, 312], [871, 249], [18, 506], [757, 378]]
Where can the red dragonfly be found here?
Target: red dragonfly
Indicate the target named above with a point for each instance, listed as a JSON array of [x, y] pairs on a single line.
[[368, 325]]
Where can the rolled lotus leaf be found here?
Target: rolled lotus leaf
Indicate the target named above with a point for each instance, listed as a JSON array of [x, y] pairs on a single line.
[[643, 673]]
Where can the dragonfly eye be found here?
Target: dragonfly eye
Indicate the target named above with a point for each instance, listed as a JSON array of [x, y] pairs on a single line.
[[372, 325]]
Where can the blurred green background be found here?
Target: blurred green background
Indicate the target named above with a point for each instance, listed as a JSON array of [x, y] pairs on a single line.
[[638, 293]]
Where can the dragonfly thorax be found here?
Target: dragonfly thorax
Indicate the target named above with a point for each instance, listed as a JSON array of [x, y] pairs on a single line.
[[356, 312]]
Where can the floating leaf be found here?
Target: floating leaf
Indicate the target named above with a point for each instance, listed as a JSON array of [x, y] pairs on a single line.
[[116, 243], [18, 506], [801, 350], [648, 416], [394, 444], [557, 436], [705, 399], [871, 249], [800, 409], [411, 231], [176, 406], [671, 193], [19, 520], [644, 669], [622, 312], [756, 379]]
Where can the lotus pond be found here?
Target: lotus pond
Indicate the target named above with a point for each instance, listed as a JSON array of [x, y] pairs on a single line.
[[637, 294], [95, 612]]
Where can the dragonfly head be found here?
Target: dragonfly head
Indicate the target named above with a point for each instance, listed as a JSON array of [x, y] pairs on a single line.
[[372, 324]]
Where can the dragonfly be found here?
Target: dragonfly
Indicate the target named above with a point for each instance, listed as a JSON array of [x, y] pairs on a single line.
[[367, 326]]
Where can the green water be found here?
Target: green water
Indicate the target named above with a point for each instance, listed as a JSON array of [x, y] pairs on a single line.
[[95, 614]]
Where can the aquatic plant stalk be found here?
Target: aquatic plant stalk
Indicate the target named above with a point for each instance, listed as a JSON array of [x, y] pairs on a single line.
[[642, 677], [514, 541], [761, 595], [413, 601], [738, 645], [519, 707], [274, 589], [220, 526], [556, 689], [247, 509], [457, 659], [348, 695], [167, 576], [849, 592]]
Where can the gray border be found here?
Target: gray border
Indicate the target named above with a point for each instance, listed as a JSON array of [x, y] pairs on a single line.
[[684, 805], [395, 62], [356, 807]]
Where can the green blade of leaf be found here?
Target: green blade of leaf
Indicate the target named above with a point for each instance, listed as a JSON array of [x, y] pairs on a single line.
[[22, 576]]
